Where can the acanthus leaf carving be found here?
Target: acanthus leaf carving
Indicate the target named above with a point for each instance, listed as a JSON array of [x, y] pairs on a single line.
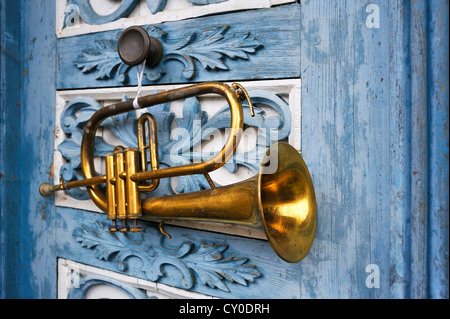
[[205, 261], [104, 58], [209, 48]]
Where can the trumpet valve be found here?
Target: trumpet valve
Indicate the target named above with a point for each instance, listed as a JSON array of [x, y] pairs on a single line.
[[113, 227], [124, 228], [135, 228]]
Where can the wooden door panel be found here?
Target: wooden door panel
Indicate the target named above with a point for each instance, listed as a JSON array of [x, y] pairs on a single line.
[[250, 45], [209, 263]]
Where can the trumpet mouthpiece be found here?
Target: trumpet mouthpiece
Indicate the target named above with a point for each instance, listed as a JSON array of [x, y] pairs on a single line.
[[46, 189]]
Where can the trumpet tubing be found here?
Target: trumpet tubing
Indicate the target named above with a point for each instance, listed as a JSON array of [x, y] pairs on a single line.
[[233, 204], [236, 125]]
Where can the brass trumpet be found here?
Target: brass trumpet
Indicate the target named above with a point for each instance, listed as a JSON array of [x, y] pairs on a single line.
[[282, 202]]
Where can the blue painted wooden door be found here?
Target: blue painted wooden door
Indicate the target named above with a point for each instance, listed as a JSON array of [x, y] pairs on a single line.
[[355, 85]]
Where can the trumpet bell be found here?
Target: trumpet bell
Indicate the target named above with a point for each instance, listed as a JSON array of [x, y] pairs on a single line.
[[288, 203]]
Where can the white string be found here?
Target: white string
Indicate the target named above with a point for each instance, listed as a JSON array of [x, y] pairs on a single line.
[[139, 78]]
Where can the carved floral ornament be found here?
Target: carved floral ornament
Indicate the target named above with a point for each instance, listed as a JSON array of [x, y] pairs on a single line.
[[209, 47], [84, 9], [204, 262]]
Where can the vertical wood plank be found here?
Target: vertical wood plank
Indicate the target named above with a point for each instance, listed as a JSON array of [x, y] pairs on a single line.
[[345, 136], [419, 149], [36, 276], [438, 99], [9, 141], [400, 161]]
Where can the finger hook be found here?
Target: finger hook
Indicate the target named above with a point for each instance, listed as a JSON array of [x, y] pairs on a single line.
[[163, 231]]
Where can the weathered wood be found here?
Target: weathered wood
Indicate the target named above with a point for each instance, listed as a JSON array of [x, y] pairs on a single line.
[[345, 143], [438, 108], [368, 96], [10, 103], [27, 218], [419, 149], [400, 161]]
